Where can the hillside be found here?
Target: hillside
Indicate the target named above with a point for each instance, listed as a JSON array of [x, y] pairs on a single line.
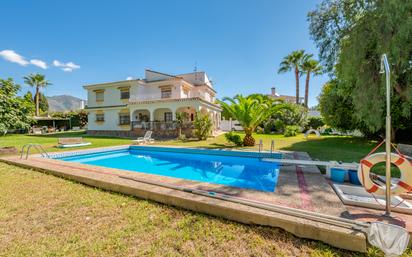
[[61, 103]]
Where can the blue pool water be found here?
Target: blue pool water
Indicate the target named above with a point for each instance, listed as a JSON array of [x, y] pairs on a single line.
[[244, 172]]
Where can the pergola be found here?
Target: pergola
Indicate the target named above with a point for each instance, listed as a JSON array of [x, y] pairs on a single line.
[[51, 121]]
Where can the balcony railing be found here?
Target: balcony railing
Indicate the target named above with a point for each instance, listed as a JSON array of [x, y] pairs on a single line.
[[158, 96], [159, 125]]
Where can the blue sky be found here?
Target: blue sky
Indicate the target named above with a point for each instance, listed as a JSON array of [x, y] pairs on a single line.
[[238, 43]]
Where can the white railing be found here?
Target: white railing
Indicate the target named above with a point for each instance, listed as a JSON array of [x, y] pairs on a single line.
[[158, 96]]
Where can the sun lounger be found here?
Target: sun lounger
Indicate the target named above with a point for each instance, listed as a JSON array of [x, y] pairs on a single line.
[[67, 142], [147, 138]]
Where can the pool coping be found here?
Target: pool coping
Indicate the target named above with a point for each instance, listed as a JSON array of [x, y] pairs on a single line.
[[107, 178]]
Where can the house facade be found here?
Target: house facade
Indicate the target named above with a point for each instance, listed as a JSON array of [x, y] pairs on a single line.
[[160, 102], [285, 98]]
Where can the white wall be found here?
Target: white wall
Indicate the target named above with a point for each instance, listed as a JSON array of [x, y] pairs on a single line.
[[111, 94], [111, 121]]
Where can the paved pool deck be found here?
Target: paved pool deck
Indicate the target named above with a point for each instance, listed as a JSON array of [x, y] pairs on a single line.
[[299, 187]]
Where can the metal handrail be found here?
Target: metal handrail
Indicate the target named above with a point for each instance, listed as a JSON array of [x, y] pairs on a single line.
[[38, 147], [272, 147]]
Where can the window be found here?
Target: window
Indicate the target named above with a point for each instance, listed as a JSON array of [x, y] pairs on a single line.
[[124, 93], [124, 118], [166, 93], [99, 117], [168, 116], [99, 96]]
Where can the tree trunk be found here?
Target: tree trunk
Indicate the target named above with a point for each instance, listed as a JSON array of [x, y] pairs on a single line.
[[297, 84], [393, 134], [37, 101], [307, 88], [179, 131], [248, 140]]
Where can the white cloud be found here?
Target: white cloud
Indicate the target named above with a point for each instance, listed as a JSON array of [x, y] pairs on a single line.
[[12, 56], [69, 66], [39, 63], [129, 78]]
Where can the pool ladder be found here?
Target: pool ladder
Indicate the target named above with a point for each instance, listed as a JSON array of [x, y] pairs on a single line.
[[38, 147], [272, 147]]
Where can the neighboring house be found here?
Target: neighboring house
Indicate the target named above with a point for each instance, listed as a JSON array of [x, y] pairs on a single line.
[[286, 98], [130, 107]]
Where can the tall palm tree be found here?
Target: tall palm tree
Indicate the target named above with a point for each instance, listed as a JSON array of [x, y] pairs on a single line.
[[293, 61], [310, 66], [249, 112], [38, 81]]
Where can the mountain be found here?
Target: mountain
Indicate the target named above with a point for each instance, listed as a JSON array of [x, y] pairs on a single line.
[[62, 103]]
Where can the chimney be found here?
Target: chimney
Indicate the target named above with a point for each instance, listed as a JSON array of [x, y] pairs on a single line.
[[273, 91]]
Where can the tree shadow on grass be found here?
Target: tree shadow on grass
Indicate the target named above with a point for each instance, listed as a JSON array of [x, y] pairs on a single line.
[[346, 149]]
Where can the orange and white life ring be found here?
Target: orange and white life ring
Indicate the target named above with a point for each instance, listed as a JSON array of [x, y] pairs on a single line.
[[405, 166]]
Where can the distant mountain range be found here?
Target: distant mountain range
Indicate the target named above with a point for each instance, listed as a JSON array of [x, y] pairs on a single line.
[[62, 103]]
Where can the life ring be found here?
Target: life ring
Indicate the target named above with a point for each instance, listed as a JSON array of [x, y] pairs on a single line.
[[405, 166]]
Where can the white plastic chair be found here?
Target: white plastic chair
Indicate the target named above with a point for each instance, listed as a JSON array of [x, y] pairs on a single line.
[[147, 138]]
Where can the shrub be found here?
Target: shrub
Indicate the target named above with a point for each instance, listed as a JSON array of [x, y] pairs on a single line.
[[234, 138], [291, 131], [203, 126], [315, 122], [291, 114], [259, 130], [269, 126], [279, 126], [327, 131]]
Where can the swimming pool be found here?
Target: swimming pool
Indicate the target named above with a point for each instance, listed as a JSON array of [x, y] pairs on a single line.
[[244, 170]]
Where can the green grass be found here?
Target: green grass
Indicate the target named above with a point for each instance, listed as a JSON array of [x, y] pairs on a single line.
[[38, 220], [49, 142], [42, 215], [339, 148]]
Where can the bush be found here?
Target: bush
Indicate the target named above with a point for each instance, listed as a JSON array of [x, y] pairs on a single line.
[[234, 138], [203, 126], [291, 131], [327, 131], [269, 126], [292, 114], [279, 126], [259, 130], [315, 122]]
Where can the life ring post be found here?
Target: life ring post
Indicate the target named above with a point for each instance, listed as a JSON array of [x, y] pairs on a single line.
[[385, 69]]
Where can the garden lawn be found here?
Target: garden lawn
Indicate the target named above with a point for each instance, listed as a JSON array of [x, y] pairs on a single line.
[[339, 148], [49, 142], [42, 215]]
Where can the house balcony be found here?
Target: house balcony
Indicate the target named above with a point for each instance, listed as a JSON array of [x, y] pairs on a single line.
[[165, 97]]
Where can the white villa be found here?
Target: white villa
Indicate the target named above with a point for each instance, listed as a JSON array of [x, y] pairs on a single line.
[[130, 107]]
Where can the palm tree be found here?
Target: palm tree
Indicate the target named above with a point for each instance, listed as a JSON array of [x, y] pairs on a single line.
[[249, 112], [310, 66], [293, 61], [38, 81]]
